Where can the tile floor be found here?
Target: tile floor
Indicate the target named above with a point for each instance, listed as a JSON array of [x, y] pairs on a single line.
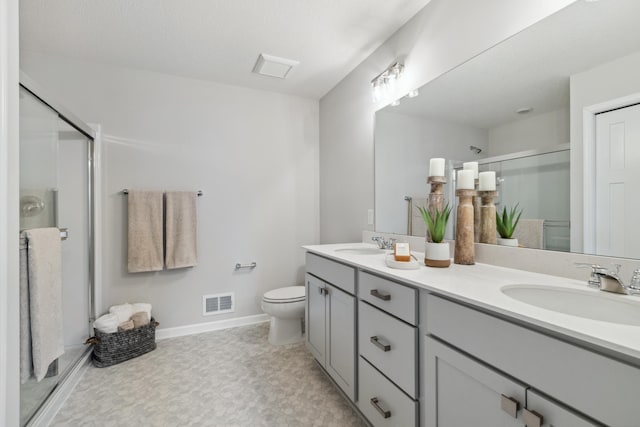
[[224, 378]]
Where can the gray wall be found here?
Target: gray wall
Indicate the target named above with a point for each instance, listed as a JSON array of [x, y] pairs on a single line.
[[253, 153], [441, 36]]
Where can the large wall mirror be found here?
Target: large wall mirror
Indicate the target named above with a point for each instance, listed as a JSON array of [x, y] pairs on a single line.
[[554, 110]]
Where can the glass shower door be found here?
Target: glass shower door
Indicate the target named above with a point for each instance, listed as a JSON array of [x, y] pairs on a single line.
[[54, 192]]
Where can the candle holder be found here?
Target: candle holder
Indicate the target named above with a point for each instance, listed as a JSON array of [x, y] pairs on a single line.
[[464, 253], [476, 215], [435, 202], [488, 217]]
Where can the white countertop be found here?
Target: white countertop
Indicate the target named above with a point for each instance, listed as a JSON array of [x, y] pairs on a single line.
[[480, 285]]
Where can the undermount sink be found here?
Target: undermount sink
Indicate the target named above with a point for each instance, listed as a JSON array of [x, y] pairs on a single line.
[[361, 250], [594, 305]]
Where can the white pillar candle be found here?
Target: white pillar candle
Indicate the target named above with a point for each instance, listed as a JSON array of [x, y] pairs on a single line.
[[471, 166], [436, 167], [487, 181], [465, 180]]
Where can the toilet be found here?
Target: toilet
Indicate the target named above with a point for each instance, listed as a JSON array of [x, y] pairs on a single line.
[[286, 308]]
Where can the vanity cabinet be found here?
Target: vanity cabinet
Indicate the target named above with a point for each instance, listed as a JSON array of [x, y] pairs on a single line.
[[330, 321], [565, 384], [420, 355]]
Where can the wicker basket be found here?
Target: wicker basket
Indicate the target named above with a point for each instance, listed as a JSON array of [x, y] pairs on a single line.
[[111, 349]]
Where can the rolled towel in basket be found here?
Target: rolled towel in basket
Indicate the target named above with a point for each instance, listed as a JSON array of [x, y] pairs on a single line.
[[140, 319], [107, 323], [141, 306], [125, 326], [123, 311]]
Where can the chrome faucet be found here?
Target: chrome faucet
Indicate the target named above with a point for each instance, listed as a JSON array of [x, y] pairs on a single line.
[[384, 244], [610, 281]]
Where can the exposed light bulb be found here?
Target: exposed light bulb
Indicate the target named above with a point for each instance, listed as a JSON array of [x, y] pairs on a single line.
[[395, 103], [413, 93]]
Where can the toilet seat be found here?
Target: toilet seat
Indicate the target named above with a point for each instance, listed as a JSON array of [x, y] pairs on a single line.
[[285, 295]]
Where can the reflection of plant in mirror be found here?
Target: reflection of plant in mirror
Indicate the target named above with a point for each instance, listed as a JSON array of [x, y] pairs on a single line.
[[506, 224], [437, 225]]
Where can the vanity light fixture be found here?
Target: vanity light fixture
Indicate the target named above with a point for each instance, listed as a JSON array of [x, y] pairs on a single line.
[[386, 81]]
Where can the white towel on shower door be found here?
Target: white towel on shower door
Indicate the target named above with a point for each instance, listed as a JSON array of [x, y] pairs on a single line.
[[181, 225], [44, 265]]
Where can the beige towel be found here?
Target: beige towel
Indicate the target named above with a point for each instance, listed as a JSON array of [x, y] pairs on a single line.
[[140, 319], [145, 231], [181, 226], [44, 264], [125, 326]]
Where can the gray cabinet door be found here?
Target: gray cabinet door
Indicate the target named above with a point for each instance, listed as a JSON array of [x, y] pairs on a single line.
[[552, 414], [459, 391], [341, 356], [315, 317]]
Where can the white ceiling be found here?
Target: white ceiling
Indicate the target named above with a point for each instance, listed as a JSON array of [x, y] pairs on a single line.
[[218, 40], [532, 68]]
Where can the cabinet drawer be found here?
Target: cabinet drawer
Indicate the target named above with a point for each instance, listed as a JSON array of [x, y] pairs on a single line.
[[596, 385], [339, 275], [392, 297], [379, 398], [390, 345]]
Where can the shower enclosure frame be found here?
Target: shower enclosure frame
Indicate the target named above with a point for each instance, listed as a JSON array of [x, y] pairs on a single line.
[[87, 131]]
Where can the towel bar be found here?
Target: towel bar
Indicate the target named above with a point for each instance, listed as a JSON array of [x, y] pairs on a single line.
[[126, 191], [249, 266]]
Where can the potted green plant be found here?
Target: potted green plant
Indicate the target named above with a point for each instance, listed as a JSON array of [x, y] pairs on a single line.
[[436, 252], [506, 225]]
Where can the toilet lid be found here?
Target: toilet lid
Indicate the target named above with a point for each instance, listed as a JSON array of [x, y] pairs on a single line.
[[288, 294]]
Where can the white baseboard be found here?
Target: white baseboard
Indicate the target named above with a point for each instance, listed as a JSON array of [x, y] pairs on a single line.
[[199, 328], [52, 405]]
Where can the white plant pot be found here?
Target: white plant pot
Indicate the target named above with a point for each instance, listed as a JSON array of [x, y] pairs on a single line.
[[437, 254], [507, 242]]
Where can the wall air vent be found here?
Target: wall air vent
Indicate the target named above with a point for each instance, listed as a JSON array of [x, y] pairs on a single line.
[[217, 304]]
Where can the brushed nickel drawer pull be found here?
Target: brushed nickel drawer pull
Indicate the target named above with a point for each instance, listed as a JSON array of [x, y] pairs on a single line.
[[532, 418], [376, 341], [384, 413], [382, 296], [509, 405]]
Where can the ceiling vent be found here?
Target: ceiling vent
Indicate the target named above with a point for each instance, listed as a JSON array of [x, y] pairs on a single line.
[[274, 66], [217, 304]]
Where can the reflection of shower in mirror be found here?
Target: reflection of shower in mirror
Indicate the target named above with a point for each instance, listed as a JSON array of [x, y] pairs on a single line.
[[31, 206]]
